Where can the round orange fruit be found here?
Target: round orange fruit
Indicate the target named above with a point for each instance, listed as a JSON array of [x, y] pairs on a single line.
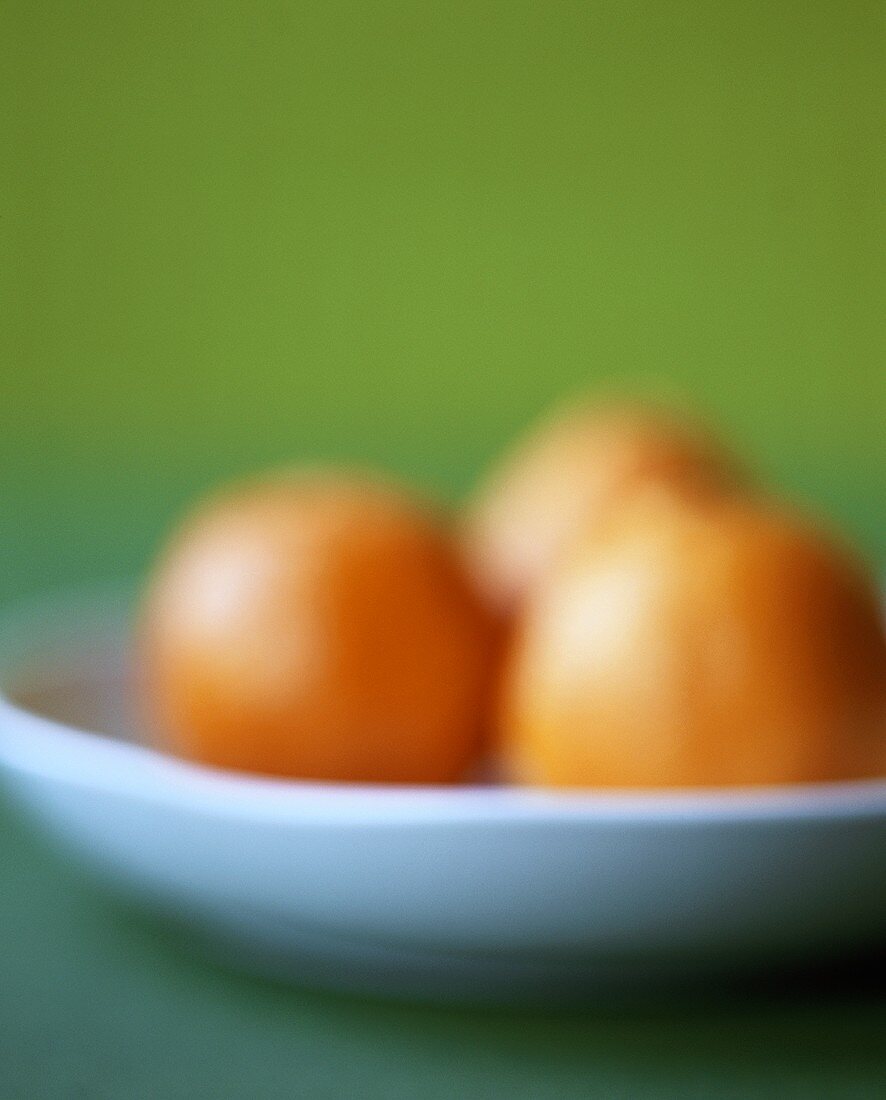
[[567, 476], [698, 640], [316, 625]]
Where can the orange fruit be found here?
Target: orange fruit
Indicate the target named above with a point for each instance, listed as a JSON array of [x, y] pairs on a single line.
[[567, 476], [316, 626], [698, 640]]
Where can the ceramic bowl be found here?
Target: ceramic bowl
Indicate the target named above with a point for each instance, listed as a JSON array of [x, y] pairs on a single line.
[[476, 892]]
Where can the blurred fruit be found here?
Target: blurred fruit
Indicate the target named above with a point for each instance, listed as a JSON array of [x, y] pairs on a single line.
[[698, 641], [318, 626], [568, 475]]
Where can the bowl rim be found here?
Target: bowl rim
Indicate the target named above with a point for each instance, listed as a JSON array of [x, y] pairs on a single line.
[[40, 746]]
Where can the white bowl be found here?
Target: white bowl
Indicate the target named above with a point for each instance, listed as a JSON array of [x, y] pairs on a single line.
[[472, 892]]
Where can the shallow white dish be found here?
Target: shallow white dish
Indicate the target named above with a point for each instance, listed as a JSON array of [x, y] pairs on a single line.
[[476, 892]]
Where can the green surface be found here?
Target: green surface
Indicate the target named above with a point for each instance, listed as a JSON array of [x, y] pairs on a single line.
[[234, 234], [101, 1004]]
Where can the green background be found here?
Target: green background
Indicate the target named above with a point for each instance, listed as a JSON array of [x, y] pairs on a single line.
[[235, 234]]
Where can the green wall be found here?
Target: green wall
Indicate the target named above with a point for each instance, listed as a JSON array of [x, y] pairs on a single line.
[[240, 233]]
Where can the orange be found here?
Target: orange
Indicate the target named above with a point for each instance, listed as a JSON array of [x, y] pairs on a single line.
[[579, 465], [318, 626], [698, 640]]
